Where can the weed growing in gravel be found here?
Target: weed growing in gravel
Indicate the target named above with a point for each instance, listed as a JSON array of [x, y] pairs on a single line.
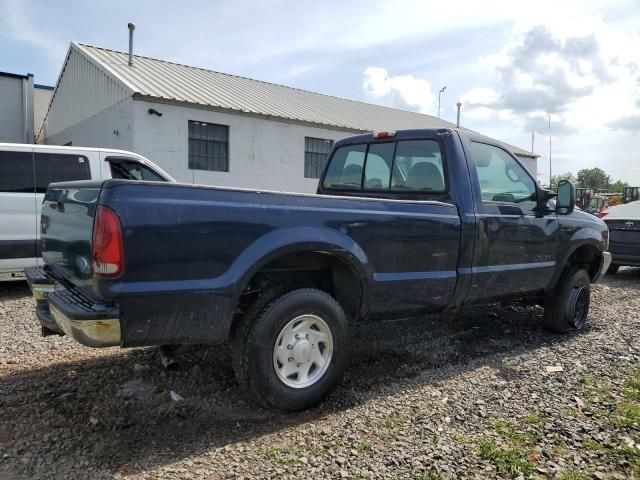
[[284, 455], [591, 444], [532, 418], [510, 431], [461, 438], [632, 386], [391, 421], [633, 457], [363, 446], [508, 461], [573, 475], [627, 413]]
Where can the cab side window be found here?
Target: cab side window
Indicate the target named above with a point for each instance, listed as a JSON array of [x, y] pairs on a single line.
[[502, 178], [131, 170], [16, 172], [55, 167]]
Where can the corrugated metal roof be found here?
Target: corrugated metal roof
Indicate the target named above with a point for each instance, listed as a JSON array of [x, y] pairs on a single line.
[[181, 83]]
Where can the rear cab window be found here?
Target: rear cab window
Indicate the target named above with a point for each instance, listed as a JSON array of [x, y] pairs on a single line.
[[415, 166]]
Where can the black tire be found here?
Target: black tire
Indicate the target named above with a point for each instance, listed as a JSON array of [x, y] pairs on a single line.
[[613, 269], [567, 306], [255, 340]]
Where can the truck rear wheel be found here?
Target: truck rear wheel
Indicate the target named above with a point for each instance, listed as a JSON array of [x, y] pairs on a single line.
[[292, 352], [567, 306]]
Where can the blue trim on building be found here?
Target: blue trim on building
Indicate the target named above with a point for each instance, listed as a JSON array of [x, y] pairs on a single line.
[[15, 75]]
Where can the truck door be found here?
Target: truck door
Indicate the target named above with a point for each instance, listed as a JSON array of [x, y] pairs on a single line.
[[409, 228], [17, 210], [515, 248]]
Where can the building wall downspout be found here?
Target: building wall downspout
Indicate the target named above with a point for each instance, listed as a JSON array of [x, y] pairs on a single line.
[[27, 103]]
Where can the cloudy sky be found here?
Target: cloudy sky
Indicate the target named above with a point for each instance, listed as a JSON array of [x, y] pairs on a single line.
[[510, 65]]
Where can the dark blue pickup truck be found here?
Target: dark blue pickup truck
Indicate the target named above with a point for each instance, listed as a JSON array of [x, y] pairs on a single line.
[[403, 223]]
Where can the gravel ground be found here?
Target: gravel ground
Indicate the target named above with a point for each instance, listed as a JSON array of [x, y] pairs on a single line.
[[430, 398]]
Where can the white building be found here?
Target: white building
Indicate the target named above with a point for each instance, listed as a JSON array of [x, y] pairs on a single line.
[[208, 127], [23, 106]]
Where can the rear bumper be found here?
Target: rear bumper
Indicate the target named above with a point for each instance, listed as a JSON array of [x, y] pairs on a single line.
[[606, 263], [626, 260], [65, 310]]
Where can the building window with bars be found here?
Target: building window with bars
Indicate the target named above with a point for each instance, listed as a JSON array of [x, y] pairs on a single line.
[[208, 146], [316, 153]]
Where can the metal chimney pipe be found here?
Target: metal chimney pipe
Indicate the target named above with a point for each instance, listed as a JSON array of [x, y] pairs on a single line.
[[132, 27], [458, 121]]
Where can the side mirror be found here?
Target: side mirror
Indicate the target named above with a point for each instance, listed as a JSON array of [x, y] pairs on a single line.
[[566, 200]]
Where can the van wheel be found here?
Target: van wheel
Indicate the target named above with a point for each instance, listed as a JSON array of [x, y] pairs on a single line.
[[293, 352], [613, 269], [567, 306]]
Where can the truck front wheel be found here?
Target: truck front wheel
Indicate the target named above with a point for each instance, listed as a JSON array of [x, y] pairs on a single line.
[[293, 352], [567, 306]]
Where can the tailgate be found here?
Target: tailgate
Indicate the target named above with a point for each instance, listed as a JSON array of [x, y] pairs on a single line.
[[66, 227]]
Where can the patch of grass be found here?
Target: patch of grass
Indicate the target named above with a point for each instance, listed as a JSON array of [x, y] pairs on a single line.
[[573, 475], [533, 418], [587, 380], [286, 455], [508, 461], [461, 438], [363, 446], [391, 421], [591, 444], [509, 430], [632, 386], [627, 414], [632, 454]]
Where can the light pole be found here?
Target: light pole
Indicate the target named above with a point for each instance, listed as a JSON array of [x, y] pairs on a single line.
[[549, 149], [439, 94]]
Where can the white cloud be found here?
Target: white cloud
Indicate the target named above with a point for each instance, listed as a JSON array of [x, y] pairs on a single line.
[[17, 25], [584, 72], [401, 91]]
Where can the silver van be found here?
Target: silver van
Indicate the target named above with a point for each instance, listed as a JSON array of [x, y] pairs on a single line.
[[27, 170]]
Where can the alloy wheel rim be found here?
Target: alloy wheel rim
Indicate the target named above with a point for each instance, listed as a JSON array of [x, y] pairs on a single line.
[[303, 350]]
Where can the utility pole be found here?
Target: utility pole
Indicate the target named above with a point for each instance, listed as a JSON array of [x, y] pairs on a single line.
[[439, 94], [533, 140], [549, 149]]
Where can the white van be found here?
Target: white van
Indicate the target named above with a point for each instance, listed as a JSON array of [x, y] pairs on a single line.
[[25, 173]]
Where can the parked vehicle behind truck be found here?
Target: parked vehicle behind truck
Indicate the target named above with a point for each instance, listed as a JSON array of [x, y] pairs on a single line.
[[403, 223], [624, 229], [25, 173]]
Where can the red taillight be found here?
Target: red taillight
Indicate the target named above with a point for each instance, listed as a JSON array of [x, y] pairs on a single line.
[[388, 134], [107, 244]]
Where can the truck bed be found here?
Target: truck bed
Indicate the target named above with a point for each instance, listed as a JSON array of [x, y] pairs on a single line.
[[190, 251]]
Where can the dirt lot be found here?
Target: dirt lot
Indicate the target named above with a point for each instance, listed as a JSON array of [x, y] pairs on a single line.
[[430, 398]]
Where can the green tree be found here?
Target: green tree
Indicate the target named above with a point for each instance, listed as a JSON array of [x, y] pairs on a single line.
[[593, 178], [563, 176], [618, 186]]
